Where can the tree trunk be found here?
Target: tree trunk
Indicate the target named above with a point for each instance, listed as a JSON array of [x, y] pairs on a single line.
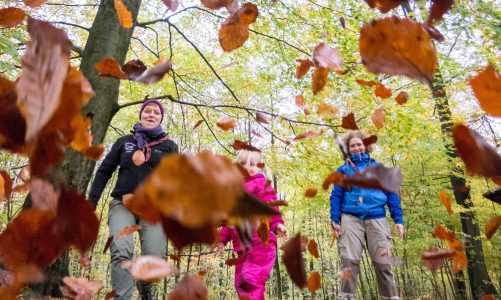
[[480, 282], [107, 39]]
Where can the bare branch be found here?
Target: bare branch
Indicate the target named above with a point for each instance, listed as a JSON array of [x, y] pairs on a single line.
[[71, 24]]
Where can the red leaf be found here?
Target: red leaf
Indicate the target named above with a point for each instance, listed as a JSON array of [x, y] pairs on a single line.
[[5, 185], [377, 177], [382, 92], [446, 201], [369, 140], [487, 88], [150, 268], [384, 6], [303, 66], [11, 17], [189, 288], [319, 79], [313, 248], [310, 192], [438, 9], [226, 123], [171, 4], [348, 122], [110, 295], [395, 46], [479, 157], [378, 118], [110, 68], [293, 260], [314, 282], [325, 56], [261, 118], [134, 68], [402, 98], [491, 226], [128, 230], [155, 74]]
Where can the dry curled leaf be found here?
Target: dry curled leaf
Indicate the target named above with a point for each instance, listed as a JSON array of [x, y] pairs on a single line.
[[348, 122], [377, 177], [308, 134], [384, 6], [155, 74], [226, 123], [395, 46], [12, 123], [11, 17], [325, 56], [293, 260], [319, 79], [491, 226], [487, 88], [402, 98], [5, 185], [307, 110], [263, 231], [134, 68], [110, 68], [378, 118], [446, 201], [313, 248], [150, 268], [367, 83], [310, 192], [123, 14], [303, 66], [314, 282]]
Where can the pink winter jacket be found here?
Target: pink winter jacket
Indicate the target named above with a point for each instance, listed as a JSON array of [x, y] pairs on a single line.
[[256, 185]]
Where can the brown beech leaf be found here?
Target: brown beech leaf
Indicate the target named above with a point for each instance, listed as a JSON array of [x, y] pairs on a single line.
[[201, 274], [239, 145], [342, 22], [382, 91], [369, 140], [438, 9], [292, 258], [248, 207], [150, 268], [433, 258], [314, 282], [142, 207], [325, 56], [333, 178], [313, 248], [487, 88], [395, 46], [128, 230], [327, 110], [299, 100], [307, 110], [247, 14], [124, 15], [442, 234], [378, 118], [226, 123], [82, 288], [479, 157], [110, 295], [34, 3], [134, 68], [110, 68], [235, 29], [308, 134], [367, 83], [263, 231], [155, 74], [384, 6], [11, 17], [5, 185], [459, 260], [303, 66], [12, 123], [261, 118], [446, 201], [216, 4], [256, 133], [181, 235], [45, 65], [377, 177], [189, 288], [278, 203], [348, 122], [491, 226], [198, 123], [402, 98], [310, 192], [319, 79], [172, 5]]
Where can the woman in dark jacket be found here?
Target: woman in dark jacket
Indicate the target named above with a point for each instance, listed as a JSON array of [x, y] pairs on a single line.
[[358, 219], [136, 155]]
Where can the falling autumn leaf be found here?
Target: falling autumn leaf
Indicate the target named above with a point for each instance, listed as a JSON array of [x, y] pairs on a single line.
[[307, 111], [402, 98], [314, 282], [124, 15], [155, 74], [479, 157], [278, 203], [110, 295], [150, 268], [384, 6], [12, 123], [325, 56], [108, 244], [308, 134], [348, 122], [235, 29], [378, 118], [189, 288], [487, 88], [433, 258], [34, 3], [261, 118], [442, 234], [395, 46], [44, 195], [303, 67], [319, 79], [5, 185], [382, 91], [133, 68], [367, 83], [11, 17], [310, 192], [256, 133], [488, 297], [377, 177], [491, 226], [128, 230], [327, 110], [198, 123], [333, 178], [299, 100], [369, 140], [313, 248], [293, 260], [446, 201], [239, 145], [171, 4], [181, 235], [263, 231], [215, 4], [226, 123], [342, 22], [438, 9], [110, 68]]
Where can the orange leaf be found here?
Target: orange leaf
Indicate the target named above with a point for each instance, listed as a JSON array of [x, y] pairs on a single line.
[[303, 66], [263, 231], [247, 14], [293, 260], [172, 5], [190, 287], [438, 9], [395, 46], [442, 234], [310, 192], [308, 134], [382, 92], [479, 157], [313, 248], [378, 118], [446, 201], [307, 111], [11, 17], [124, 15], [319, 79], [348, 122], [150, 268], [366, 83], [491, 226], [278, 203], [134, 68], [128, 230], [155, 74], [325, 56], [235, 29], [5, 185], [110, 68], [402, 98], [384, 6], [216, 4], [34, 3], [314, 282], [333, 178], [226, 123], [488, 297], [326, 109], [299, 100], [261, 118], [487, 88]]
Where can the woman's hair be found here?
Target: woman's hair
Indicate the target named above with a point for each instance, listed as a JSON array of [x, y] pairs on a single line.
[[356, 134]]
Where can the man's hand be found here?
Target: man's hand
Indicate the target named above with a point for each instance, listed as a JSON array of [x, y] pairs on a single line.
[[399, 228], [282, 231], [336, 229]]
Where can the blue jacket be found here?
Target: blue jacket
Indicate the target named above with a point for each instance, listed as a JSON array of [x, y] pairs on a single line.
[[362, 202]]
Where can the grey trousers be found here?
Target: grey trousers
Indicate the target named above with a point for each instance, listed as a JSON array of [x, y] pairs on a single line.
[[153, 242], [374, 234]]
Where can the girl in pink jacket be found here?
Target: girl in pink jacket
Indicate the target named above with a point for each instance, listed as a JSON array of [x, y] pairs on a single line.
[[254, 266]]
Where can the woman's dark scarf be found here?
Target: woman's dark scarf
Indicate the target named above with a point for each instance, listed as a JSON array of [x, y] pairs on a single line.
[[143, 136]]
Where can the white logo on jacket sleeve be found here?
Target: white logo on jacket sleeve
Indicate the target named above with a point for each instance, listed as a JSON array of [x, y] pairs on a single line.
[[129, 147]]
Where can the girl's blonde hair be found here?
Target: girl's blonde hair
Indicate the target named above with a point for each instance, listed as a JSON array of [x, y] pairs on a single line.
[[247, 155], [356, 134]]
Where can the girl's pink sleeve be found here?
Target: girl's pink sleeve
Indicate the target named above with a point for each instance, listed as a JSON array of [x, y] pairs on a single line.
[[225, 235], [269, 194]]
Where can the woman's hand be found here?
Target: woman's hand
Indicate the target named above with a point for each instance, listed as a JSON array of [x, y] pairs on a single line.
[[336, 229], [282, 231], [399, 228], [219, 249]]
